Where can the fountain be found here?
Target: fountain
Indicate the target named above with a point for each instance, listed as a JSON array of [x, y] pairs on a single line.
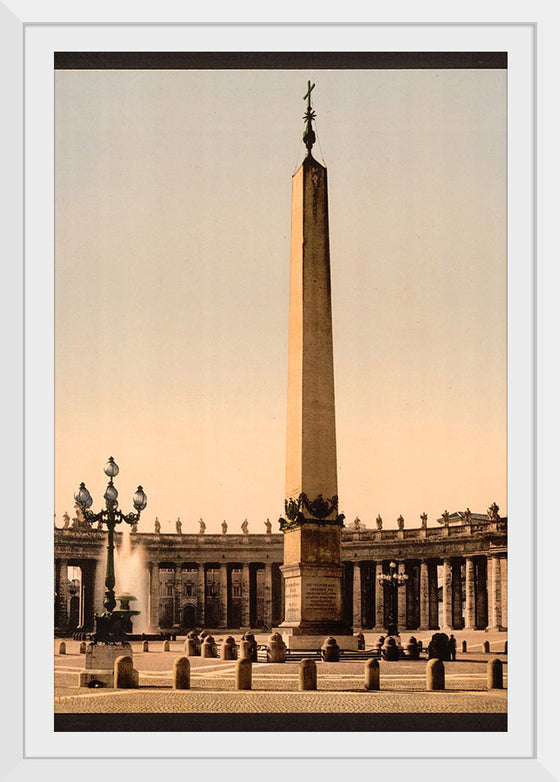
[[132, 581]]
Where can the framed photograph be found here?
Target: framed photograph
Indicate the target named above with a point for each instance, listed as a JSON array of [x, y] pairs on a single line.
[[179, 346]]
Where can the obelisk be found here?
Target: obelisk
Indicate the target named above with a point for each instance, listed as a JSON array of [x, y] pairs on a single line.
[[312, 568]]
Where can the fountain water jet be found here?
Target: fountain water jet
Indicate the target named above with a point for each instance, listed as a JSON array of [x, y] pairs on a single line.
[[132, 579]]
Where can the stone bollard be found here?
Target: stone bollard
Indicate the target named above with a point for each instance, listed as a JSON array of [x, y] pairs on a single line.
[[330, 650], [208, 648], [229, 649], [62, 648], [166, 646], [435, 674], [464, 646], [495, 674], [487, 647], [412, 651], [243, 674], [390, 650], [253, 645], [145, 646], [371, 674], [307, 675], [192, 645], [244, 650], [181, 674], [361, 642], [505, 647], [276, 651], [83, 647], [125, 677]]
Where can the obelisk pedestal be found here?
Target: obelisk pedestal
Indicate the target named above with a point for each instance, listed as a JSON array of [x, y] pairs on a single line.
[[312, 568]]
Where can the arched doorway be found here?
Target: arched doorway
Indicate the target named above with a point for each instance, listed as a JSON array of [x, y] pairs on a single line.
[[189, 619]]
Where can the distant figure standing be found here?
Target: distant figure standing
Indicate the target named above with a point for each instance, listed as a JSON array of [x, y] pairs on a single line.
[[452, 647], [424, 520], [178, 526], [379, 522], [157, 525], [245, 527], [224, 527], [202, 529], [400, 522], [268, 526]]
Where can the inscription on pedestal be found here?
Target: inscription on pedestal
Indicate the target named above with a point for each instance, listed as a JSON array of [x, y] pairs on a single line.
[[292, 611], [320, 597]]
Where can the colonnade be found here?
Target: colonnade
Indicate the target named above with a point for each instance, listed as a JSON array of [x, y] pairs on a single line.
[[439, 593], [236, 595]]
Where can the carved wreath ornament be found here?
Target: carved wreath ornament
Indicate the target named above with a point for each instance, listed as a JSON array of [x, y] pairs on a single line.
[[318, 509]]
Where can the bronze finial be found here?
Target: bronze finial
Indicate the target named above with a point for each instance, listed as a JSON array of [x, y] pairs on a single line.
[[309, 116]]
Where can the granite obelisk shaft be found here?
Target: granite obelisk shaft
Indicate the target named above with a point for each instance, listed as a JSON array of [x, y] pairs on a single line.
[[312, 567]]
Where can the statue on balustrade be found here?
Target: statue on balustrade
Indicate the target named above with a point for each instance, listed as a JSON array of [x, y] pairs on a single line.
[[66, 518], [379, 522], [357, 524], [157, 525], [245, 527], [178, 526], [224, 527], [467, 516], [445, 517], [400, 522], [202, 529], [134, 527], [268, 526], [79, 521], [424, 520], [493, 512]]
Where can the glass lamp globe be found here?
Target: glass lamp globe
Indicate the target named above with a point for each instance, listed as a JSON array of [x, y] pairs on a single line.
[[111, 493], [140, 499], [111, 469], [83, 497]]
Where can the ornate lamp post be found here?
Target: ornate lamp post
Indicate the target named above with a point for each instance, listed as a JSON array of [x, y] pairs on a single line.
[[392, 581], [109, 626]]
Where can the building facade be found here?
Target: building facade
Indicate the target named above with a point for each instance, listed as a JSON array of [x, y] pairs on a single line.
[[457, 577]]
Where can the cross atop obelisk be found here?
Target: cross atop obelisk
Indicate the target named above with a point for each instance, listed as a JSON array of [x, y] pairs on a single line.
[[309, 116], [312, 528]]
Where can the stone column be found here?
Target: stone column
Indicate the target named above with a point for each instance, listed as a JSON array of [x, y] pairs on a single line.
[[177, 594], [433, 595], [457, 590], [357, 597], [447, 596], [62, 594], [245, 596], [481, 574], [99, 587], [470, 607], [504, 591], [201, 596], [379, 601], [223, 614], [401, 601], [424, 596], [495, 594], [154, 596], [268, 594]]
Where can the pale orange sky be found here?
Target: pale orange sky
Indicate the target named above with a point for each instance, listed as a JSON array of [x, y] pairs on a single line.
[[172, 268]]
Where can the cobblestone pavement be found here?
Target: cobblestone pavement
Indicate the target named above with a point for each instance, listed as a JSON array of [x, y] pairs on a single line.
[[275, 687]]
